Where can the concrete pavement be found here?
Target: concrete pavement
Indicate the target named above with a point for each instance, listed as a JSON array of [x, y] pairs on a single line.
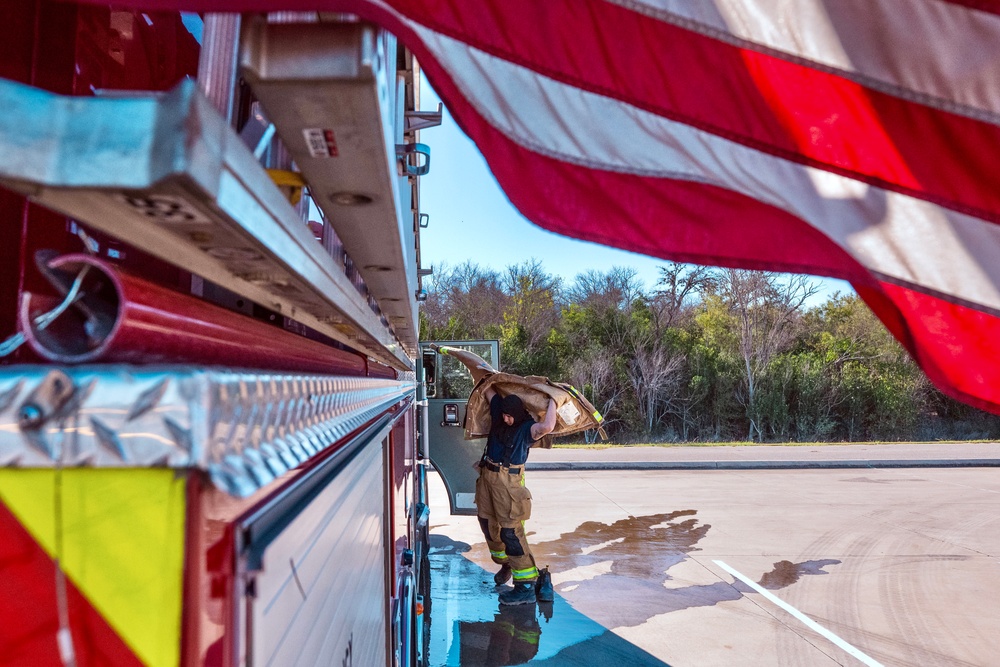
[[754, 567], [763, 457]]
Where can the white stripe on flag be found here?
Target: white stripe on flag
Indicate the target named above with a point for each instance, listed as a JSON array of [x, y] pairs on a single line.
[[903, 238], [932, 48]]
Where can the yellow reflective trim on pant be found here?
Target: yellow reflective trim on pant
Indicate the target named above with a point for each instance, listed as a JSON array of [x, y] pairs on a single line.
[[526, 636], [122, 545], [498, 554], [526, 573]]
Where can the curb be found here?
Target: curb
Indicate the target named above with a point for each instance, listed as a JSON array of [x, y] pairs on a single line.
[[761, 465]]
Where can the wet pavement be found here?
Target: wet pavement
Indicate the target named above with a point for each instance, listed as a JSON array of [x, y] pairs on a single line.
[[893, 567], [469, 627]]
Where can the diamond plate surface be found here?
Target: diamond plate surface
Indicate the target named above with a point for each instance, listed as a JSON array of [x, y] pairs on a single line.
[[244, 429]]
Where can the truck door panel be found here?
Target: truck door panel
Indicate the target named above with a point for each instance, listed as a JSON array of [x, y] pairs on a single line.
[[449, 384]]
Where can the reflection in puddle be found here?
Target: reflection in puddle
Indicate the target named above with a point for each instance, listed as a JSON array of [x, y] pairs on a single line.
[[617, 571], [639, 546], [511, 638]]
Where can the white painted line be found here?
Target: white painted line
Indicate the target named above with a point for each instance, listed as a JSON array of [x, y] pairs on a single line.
[[811, 624], [452, 615], [586, 551]]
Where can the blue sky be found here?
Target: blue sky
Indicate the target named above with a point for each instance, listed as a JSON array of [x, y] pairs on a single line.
[[472, 219]]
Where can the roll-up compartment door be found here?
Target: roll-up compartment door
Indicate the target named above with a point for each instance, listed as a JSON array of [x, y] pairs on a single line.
[[319, 596]]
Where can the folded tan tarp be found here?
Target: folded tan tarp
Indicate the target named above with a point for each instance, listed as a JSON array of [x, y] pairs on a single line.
[[574, 413], [476, 364]]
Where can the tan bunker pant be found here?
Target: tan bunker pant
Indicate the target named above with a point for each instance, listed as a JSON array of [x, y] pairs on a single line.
[[504, 504]]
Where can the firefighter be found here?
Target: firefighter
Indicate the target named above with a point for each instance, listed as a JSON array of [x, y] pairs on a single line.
[[502, 500], [511, 638]]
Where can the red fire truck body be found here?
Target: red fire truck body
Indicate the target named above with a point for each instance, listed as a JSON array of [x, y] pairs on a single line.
[[209, 446]]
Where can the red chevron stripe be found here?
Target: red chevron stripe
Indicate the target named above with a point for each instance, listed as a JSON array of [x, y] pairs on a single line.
[[29, 616]]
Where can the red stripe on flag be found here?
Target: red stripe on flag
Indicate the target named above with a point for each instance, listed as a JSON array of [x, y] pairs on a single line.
[[954, 344], [679, 220], [989, 6], [774, 105], [29, 615]]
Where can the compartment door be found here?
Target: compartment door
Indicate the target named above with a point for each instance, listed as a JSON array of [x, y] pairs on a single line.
[[319, 561], [449, 383]]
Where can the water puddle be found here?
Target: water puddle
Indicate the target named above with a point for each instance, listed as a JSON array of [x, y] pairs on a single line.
[[466, 626], [786, 573], [617, 573]]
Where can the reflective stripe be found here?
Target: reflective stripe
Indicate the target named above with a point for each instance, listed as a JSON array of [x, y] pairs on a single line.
[[526, 636], [527, 573], [122, 541], [498, 554]]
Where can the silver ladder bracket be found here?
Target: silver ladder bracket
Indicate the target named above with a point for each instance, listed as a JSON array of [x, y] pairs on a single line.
[[330, 90], [422, 120]]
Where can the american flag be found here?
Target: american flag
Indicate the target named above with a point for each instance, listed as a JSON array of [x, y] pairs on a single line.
[[855, 139]]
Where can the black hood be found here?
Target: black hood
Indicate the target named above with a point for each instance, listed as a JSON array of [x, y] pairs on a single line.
[[513, 405]]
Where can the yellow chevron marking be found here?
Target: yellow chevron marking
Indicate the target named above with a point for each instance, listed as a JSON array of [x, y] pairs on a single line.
[[122, 545]]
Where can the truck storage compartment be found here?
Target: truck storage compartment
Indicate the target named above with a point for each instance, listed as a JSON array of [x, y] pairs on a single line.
[[318, 563]]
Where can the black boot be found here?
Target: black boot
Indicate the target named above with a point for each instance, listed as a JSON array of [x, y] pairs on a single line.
[[543, 586], [520, 594], [503, 576]]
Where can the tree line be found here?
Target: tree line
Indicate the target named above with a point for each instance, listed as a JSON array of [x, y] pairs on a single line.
[[705, 354]]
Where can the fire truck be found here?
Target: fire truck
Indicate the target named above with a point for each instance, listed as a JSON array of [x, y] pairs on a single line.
[[216, 415], [214, 425]]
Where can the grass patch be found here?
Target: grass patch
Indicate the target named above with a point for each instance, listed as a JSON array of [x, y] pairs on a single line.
[[605, 445]]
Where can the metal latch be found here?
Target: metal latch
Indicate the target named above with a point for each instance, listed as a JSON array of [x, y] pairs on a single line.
[[404, 151], [451, 415]]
